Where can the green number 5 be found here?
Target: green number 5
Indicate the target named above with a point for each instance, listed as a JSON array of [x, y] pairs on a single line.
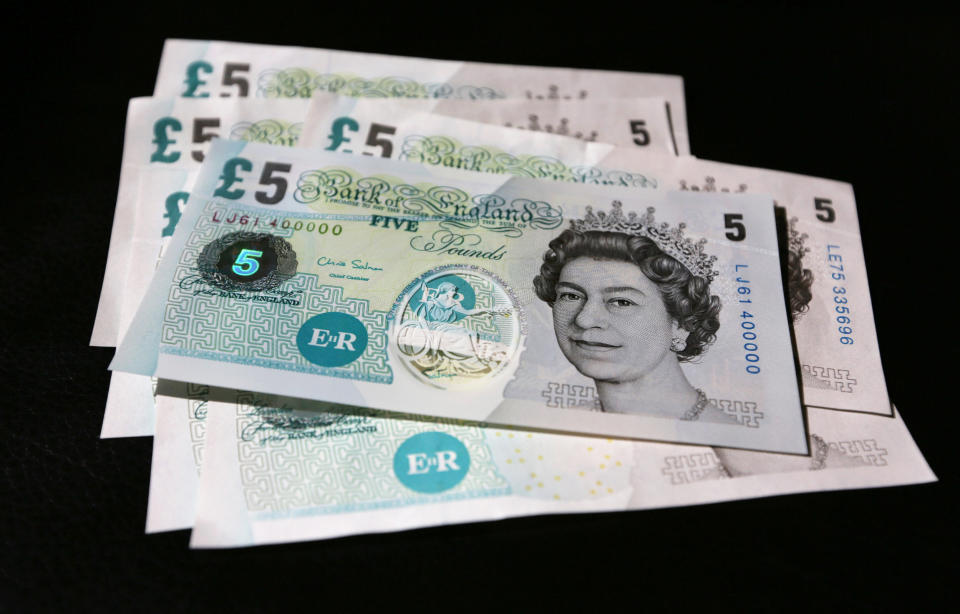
[[246, 263]]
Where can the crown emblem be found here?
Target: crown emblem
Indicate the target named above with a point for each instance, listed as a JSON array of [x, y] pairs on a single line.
[[710, 185], [553, 93], [795, 240], [562, 129], [671, 240]]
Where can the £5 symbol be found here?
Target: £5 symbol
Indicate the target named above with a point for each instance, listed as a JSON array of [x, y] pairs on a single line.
[[233, 75], [338, 132], [271, 176], [376, 136], [332, 339], [173, 206], [431, 462], [162, 138], [193, 80]]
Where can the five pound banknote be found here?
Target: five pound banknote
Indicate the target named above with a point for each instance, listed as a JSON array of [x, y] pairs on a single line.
[[356, 332], [213, 69], [404, 287], [164, 144], [279, 470], [824, 266]]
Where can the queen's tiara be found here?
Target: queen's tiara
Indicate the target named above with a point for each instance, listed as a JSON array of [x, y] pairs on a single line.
[[671, 240]]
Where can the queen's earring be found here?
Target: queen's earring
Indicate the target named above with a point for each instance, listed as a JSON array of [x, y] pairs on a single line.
[[679, 341]]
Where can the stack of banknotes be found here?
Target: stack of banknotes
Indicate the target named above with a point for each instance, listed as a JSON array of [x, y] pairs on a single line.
[[356, 293]]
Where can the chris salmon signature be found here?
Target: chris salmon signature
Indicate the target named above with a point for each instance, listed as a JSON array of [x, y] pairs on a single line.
[[357, 263]]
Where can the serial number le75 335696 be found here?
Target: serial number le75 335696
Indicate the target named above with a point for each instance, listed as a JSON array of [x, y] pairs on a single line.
[[840, 297]]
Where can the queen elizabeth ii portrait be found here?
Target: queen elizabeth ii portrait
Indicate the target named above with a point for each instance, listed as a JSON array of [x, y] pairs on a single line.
[[631, 302]]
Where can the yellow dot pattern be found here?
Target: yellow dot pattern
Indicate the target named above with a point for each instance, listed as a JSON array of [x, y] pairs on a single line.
[[560, 471]]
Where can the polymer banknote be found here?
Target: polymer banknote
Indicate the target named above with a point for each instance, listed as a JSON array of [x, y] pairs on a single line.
[[171, 135], [629, 122], [212, 69], [824, 265], [419, 289], [403, 130], [280, 470], [164, 144]]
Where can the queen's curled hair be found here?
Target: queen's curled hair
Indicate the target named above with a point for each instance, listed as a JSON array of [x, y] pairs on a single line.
[[686, 296]]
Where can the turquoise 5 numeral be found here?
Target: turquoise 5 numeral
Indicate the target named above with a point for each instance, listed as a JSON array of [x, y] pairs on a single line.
[[194, 81], [246, 263], [229, 177], [162, 140], [172, 205], [337, 136]]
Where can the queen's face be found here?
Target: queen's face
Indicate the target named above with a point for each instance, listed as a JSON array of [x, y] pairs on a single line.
[[610, 320]]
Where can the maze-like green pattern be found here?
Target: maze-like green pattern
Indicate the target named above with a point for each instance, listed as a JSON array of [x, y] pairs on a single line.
[[351, 472], [219, 327]]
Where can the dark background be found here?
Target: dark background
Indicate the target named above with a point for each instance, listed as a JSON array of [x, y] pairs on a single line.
[[844, 92]]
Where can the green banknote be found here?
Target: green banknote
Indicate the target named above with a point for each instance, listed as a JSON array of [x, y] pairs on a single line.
[[829, 298], [164, 145], [409, 288], [280, 470], [643, 123], [213, 69]]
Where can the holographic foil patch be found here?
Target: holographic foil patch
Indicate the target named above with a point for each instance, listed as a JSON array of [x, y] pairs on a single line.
[[457, 327], [247, 261]]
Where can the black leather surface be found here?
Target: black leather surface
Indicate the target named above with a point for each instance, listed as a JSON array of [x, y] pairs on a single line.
[[849, 94]]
